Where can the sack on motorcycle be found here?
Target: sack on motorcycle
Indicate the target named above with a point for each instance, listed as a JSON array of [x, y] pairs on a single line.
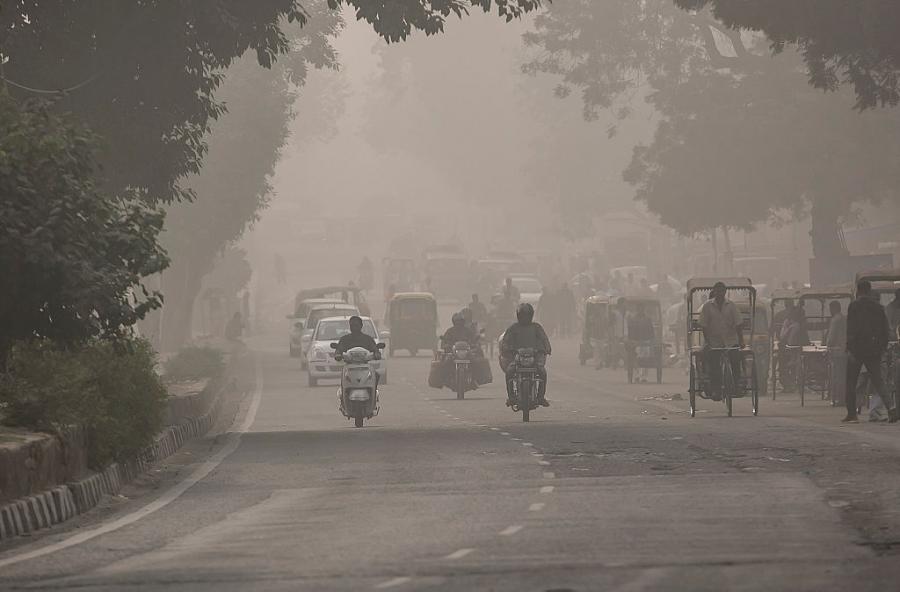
[[436, 375], [481, 371]]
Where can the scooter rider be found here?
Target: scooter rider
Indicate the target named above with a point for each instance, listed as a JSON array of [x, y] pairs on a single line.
[[356, 338], [525, 333]]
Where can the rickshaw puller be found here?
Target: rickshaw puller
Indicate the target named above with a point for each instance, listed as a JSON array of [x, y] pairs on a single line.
[[721, 323]]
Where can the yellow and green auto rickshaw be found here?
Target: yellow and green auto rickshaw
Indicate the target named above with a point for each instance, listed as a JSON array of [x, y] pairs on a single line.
[[413, 320], [595, 332]]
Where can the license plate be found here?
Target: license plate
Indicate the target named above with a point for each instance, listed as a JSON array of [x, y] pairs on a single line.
[[359, 395]]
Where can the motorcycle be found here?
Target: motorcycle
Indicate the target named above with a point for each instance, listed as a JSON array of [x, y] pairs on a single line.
[[461, 354], [358, 393], [526, 382]]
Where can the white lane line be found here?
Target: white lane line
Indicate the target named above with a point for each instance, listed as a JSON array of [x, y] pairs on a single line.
[[511, 530], [544, 463], [574, 412], [547, 489], [537, 454], [504, 433], [200, 473], [536, 507], [592, 416], [517, 439], [549, 475], [527, 444], [480, 425], [459, 554], [392, 583], [496, 429]]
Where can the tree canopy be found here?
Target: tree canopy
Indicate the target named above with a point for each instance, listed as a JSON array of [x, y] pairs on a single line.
[[843, 43], [72, 256]]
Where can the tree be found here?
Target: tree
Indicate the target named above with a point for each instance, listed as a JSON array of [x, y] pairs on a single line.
[[141, 75], [72, 256], [741, 134], [843, 43]]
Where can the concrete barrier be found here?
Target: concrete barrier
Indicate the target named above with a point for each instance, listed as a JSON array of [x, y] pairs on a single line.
[[34, 511]]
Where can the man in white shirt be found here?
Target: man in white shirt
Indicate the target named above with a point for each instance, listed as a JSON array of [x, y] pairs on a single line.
[[721, 322]]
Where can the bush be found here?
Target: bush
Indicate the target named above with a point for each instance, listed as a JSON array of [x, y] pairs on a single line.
[[111, 389], [193, 363]]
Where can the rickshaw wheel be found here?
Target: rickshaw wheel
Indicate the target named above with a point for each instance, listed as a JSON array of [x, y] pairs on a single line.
[[692, 392], [801, 381], [728, 387], [754, 395], [630, 371], [659, 374]]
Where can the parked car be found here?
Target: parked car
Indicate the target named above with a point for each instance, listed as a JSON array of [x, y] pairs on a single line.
[[320, 358], [299, 321]]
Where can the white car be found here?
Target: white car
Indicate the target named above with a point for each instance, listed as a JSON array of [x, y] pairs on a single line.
[[298, 321], [317, 313], [529, 287], [320, 359]]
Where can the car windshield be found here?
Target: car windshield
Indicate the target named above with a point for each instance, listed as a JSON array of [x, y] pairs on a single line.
[[318, 314], [413, 309], [334, 330], [527, 285]]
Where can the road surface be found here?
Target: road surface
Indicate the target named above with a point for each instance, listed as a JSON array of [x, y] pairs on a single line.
[[612, 488]]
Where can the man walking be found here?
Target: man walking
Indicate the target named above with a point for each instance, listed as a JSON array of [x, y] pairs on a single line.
[[867, 338]]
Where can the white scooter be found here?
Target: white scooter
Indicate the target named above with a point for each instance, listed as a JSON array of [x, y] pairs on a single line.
[[358, 393]]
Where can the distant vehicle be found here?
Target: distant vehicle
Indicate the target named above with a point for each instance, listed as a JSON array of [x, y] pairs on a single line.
[[413, 321], [447, 273], [316, 314], [638, 272], [299, 317], [321, 364], [529, 287]]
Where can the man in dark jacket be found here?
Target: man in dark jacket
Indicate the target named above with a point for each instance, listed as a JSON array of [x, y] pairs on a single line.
[[356, 338], [867, 337], [525, 333]]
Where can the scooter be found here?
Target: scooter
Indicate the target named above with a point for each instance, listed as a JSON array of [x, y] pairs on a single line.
[[358, 393]]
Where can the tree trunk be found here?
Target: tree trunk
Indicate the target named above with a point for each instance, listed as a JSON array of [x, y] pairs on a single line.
[[180, 287], [826, 233]]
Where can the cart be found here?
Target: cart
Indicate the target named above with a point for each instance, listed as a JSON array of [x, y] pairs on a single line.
[[736, 366]]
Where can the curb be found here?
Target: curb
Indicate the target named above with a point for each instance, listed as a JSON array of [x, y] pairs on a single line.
[[42, 510]]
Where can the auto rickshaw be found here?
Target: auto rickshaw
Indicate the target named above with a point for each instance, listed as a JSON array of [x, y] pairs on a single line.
[[413, 320], [644, 354], [595, 333], [816, 372], [735, 382]]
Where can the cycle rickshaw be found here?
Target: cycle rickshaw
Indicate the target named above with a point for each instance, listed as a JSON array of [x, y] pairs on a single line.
[[785, 360], [645, 354], [735, 383], [595, 333], [817, 363]]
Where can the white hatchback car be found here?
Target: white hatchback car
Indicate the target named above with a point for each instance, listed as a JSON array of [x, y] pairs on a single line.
[[317, 313], [320, 362]]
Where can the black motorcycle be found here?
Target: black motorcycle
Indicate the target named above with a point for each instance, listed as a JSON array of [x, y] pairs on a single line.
[[526, 378]]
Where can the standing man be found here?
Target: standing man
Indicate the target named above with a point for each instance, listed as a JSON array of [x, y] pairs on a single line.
[[836, 341], [721, 322], [867, 338], [640, 335]]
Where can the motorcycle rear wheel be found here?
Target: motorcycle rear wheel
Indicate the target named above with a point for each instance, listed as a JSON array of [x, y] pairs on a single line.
[[358, 421]]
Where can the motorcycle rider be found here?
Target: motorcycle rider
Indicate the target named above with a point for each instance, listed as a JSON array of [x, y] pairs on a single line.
[[356, 338], [459, 331], [525, 333], [478, 310]]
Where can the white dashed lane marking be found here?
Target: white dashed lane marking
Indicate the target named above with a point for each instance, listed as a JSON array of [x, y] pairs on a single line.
[[527, 444], [549, 475], [536, 507], [511, 530], [543, 463], [547, 489], [504, 433], [392, 583], [459, 554]]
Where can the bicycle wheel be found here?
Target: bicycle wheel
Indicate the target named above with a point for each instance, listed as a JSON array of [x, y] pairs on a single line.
[[801, 381], [754, 394], [692, 389], [727, 383]]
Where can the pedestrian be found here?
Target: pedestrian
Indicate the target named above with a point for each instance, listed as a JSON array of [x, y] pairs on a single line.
[[836, 341], [235, 328], [548, 311], [867, 338], [567, 310], [641, 335]]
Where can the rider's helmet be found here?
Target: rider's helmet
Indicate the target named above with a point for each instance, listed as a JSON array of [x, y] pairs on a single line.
[[458, 320], [525, 313]]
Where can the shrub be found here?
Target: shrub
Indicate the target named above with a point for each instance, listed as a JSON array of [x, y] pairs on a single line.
[[111, 389], [193, 363]]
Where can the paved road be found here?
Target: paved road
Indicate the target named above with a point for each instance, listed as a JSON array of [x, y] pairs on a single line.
[[613, 488]]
